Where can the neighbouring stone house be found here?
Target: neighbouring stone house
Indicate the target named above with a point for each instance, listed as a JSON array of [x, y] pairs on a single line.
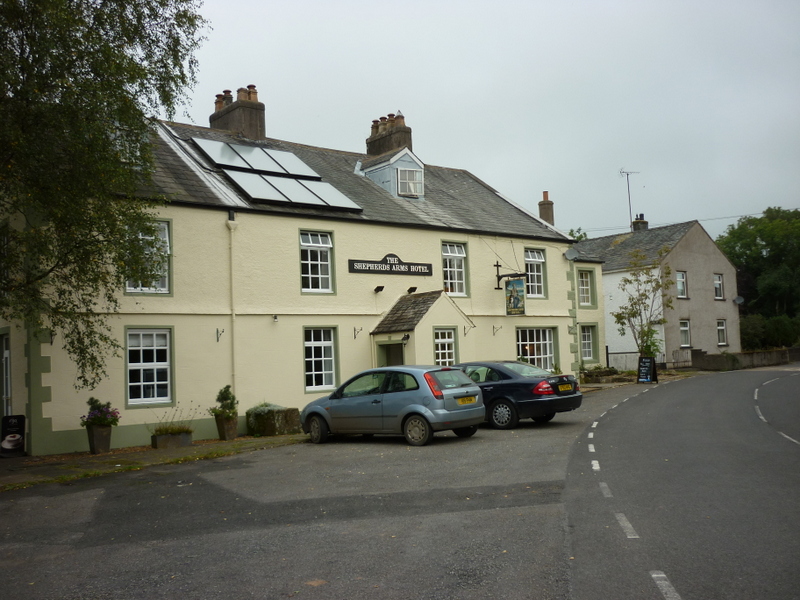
[[705, 312]]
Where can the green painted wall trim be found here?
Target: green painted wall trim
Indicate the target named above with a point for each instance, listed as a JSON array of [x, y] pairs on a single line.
[[39, 439], [122, 436]]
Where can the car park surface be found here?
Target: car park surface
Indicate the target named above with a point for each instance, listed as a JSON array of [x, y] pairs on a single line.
[[410, 400], [514, 390]]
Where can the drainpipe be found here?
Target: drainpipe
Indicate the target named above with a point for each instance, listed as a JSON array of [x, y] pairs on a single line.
[[232, 225]]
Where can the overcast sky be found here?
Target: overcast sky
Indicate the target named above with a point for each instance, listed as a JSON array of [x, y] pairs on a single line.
[[701, 98]]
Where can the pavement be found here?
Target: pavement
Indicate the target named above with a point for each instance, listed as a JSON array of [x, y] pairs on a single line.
[[25, 471]]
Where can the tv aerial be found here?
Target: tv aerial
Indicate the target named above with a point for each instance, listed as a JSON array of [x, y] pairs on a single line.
[[627, 175]]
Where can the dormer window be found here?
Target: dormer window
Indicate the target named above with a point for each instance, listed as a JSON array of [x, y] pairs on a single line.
[[410, 182]]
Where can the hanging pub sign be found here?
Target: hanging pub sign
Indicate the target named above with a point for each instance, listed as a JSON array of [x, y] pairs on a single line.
[[515, 297], [389, 265], [13, 436]]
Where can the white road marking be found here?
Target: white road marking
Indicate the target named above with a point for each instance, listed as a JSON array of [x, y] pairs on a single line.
[[626, 526], [605, 489], [595, 465], [603, 415], [755, 394], [591, 447], [594, 424], [591, 434], [770, 381], [790, 439], [664, 586], [760, 416]]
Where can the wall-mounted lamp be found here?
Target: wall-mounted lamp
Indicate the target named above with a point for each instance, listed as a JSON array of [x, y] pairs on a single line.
[[378, 288], [406, 337], [411, 290], [275, 318]]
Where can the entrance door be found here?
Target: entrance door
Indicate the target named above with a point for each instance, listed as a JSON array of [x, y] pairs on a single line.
[[390, 355]]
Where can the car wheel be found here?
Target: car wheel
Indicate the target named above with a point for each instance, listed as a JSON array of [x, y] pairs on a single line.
[[417, 430], [466, 432], [503, 415], [318, 429], [545, 418]]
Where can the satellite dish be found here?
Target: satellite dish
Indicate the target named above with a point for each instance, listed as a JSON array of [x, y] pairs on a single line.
[[738, 300], [571, 254]]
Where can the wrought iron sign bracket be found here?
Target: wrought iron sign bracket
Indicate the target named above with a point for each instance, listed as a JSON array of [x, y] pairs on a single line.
[[502, 276]]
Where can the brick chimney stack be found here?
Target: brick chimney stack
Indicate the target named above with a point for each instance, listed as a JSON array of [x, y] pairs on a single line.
[[546, 209], [245, 115], [388, 133], [639, 224]]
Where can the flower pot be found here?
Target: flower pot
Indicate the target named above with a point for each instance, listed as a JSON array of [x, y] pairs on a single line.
[[171, 440], [99, 438], [227, 427]]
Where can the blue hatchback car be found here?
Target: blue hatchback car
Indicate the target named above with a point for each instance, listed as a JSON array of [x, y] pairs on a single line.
[[410, 400]]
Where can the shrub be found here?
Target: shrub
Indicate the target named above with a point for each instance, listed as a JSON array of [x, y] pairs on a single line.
[[271, 419], [227, 404]]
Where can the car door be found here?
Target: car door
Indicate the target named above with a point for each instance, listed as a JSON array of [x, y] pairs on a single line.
[[488, 379], [401, 390], [358, 407]]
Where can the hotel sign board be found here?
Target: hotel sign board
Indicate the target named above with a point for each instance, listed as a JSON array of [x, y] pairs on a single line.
[[389, 265]]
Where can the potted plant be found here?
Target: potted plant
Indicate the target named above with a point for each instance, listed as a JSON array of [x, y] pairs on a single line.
[[226, 414], [98, 422], [174, 428], [171, 435]]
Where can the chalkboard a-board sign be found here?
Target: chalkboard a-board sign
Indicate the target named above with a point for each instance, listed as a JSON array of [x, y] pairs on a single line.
[[647, 370]]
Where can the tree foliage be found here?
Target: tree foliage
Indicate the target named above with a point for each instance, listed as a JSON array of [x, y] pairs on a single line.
[[578, 234], [78, 80], [646, 288], [766, 253]]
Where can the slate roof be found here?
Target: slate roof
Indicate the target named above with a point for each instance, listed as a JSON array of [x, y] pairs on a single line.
[[454, 198], [615, 250], [407, 312]]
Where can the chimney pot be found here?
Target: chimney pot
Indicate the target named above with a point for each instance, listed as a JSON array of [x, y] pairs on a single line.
[[245, 116], [639, 224], [546, 212], [387, 134]]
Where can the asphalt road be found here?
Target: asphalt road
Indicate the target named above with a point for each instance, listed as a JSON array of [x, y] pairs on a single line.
[[691, 490], [504, 514]]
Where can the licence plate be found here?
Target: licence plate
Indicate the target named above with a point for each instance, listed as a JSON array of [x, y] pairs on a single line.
[[565, 387], [467, 400]]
